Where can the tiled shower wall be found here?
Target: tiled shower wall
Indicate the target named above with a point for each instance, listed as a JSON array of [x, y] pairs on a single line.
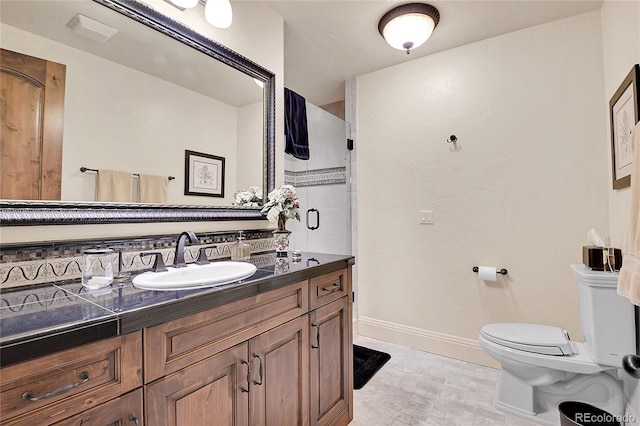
[[24, 265]]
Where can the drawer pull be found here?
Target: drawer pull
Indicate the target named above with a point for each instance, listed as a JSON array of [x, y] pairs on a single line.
[[317, 345], [134, 418], [256, 382], [248, 377], [331, 289], [28, 395]]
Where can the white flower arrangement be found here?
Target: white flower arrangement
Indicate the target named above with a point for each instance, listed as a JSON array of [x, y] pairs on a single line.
[[250, 198], [282, 205]]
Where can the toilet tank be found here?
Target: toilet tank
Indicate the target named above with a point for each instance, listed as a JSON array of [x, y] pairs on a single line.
[[607, 319]]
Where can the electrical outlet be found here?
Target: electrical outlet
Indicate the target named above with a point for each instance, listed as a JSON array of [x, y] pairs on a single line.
[[426, 217]]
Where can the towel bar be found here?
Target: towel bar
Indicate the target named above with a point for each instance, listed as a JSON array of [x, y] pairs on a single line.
[[86, 169]]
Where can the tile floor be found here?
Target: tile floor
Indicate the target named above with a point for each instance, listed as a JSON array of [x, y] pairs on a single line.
[[418, 388]]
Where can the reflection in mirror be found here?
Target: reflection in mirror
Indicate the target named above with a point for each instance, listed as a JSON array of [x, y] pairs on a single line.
[[138, 101]]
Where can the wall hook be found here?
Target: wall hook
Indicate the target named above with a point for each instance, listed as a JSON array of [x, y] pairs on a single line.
[[452, 139]]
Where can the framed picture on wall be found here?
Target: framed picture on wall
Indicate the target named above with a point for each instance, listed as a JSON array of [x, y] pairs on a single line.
[[624, 108], [203, 174]]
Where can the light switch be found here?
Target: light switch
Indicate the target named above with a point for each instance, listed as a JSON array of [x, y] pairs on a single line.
[[426, 217]]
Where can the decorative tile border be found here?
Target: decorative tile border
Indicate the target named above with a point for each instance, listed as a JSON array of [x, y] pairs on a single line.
[[329, 176], [54, 262], [34, 300]]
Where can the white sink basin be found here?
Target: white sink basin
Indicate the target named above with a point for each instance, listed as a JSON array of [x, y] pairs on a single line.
[[195, 276]]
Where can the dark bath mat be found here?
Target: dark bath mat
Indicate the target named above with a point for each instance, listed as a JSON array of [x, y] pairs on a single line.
[[366, 362]]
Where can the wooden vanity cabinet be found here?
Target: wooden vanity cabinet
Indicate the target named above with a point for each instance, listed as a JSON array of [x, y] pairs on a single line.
[[54, 388], [281, 357], [256, 361], [331, 349]]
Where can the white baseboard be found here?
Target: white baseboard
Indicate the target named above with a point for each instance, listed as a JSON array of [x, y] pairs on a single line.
[[429, 341]]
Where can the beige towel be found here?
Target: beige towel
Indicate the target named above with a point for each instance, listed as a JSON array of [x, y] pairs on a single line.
[[153, 189], [629, 279], [114, 185]]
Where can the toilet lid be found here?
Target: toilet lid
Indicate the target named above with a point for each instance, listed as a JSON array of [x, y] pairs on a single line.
[[541, 339]]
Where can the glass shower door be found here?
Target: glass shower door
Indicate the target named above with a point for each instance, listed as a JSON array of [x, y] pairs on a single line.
[[323, 187]]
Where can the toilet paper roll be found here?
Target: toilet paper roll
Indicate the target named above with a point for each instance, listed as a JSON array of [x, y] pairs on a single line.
[[488, 273]]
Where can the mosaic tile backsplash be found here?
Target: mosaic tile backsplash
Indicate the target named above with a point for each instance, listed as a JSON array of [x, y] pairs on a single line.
[[55, 262]]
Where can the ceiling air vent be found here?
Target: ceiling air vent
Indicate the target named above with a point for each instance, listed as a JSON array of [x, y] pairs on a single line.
[[91, 29]]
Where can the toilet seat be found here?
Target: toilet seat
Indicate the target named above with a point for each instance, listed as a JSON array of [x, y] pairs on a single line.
[[579, 361], [536, 338]]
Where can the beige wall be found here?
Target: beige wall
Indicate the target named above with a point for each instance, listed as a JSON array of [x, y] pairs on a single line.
[[520, 190], [257, 33], [621, 49]]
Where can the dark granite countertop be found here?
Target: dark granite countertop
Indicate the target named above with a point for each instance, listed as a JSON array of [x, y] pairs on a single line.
[[39, 320]]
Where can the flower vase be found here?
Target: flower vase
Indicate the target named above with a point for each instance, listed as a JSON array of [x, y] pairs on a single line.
[[281, 240]]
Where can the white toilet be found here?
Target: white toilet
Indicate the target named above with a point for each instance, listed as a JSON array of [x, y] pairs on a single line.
[[541, 367]]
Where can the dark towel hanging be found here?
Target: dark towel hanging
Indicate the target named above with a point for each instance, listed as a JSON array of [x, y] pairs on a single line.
[[295, 125]]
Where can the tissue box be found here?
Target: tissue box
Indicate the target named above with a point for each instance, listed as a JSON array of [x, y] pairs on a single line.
[[593, 259]]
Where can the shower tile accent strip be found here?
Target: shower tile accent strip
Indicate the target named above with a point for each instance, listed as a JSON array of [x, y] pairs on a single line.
[[55, 262], [329, 176]]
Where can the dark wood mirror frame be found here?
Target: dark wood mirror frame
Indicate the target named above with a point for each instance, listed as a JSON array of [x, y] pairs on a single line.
[[29, 213]]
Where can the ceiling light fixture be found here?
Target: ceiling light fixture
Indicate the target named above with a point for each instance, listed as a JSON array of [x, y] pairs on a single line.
[[408, 26], [217, 12]]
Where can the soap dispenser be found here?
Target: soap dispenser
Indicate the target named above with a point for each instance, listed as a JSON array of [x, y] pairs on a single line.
[[242, 250]]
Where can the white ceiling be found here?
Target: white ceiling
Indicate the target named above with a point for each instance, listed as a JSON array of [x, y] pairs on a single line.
[[134, 46], [328, 42]]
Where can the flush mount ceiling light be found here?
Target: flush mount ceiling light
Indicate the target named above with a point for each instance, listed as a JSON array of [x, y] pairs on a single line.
[[408, 26], [217, 12]]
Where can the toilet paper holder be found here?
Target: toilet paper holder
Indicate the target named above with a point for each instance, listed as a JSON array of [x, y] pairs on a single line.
[[498, 271]]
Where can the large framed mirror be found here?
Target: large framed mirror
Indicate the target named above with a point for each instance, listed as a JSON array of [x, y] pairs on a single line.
[[230, 113]]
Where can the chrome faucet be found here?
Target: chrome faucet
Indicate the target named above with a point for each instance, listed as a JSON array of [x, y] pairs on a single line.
[[182, 239]]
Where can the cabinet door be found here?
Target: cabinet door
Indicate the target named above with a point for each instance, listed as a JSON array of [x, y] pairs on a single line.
[[125, 410], [211, 392], [279, 393], [331, 351]]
